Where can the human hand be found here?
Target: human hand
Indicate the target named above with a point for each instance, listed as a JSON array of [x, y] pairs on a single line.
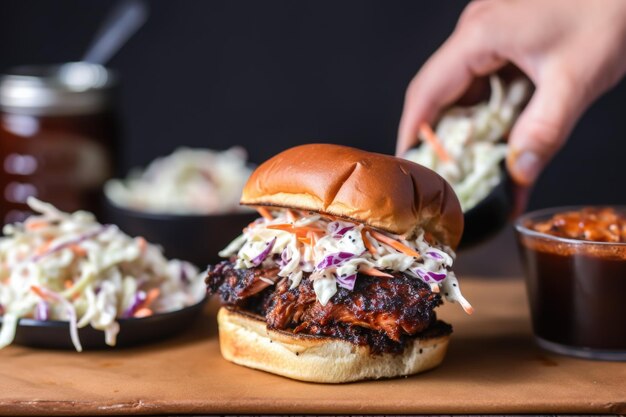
[[572, 50]]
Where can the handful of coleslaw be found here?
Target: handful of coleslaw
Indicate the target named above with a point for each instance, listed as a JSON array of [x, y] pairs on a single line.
[[467, 145], [69, 267]]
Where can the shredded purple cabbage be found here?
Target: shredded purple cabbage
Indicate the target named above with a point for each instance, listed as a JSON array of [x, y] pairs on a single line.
[[139, 298], [283, 259], [421, 273], [347, 282], [41, 311], [67, 244], [436, 276], [427, 276], [183, 274], [343, 231], [434, 255], [335, 229], [258, 260], [334, 259]]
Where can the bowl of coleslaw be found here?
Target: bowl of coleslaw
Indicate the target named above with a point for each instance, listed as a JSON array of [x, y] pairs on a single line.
[[68, 281], [468, 148], [187, 201]]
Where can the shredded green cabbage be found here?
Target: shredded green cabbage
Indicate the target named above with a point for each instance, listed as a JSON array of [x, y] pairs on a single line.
[[189, 181], [329, 249], [60, 266], [472, 137]]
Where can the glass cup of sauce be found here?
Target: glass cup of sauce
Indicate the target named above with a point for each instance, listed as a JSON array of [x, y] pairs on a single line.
[[58, 135], [575, 262]]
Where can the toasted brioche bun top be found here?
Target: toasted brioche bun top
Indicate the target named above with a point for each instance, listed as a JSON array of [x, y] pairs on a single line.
[[381, 191]]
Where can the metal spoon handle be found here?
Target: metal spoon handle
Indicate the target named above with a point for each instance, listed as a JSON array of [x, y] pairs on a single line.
[[121, 23]]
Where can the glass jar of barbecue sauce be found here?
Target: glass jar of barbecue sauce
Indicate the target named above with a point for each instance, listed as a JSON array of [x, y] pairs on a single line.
[[575, 262], [58, 136]]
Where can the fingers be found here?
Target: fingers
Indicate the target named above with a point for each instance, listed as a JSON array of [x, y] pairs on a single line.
[[521, 194], [443, 80], [543, 127]]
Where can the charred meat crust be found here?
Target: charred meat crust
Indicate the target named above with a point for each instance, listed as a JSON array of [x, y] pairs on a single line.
[[377, 341], [244, 288], [394, 306], [381, 313]]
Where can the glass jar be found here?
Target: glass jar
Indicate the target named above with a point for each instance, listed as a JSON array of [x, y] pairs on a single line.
[[58, 136], [576, 289]]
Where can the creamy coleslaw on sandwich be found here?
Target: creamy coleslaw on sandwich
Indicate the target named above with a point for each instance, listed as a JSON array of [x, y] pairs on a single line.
[[335, 251]]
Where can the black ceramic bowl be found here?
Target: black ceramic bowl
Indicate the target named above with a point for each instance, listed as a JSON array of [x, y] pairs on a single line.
[[193, 238], [55, 334], [490, 215]]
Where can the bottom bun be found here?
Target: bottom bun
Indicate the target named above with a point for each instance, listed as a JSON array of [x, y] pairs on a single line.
[[246, 340]]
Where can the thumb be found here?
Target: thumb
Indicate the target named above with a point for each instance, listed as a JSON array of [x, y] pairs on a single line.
[[543, 127]]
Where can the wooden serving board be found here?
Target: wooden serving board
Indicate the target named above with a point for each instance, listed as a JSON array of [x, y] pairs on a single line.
[[492, 367]]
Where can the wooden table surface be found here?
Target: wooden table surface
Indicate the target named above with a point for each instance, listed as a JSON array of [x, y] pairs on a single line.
[[492, 366]]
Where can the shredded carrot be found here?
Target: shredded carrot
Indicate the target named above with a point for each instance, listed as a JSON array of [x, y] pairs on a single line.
[[281, 226], [142, 312], [264, 211], [291, 216], [374, 272], [305, 240], [78, 250], [68, 283], [394, 244], [311, 229], [254, 223], [368, 244], [434, 141], [36, 224], [7, 278], [150, 297], [313, 236], [39, 292], [141, 241], [43, 248], [301, 231]]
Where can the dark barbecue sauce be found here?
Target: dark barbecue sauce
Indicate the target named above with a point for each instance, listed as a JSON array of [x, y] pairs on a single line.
[[578, 300], [577, 289]]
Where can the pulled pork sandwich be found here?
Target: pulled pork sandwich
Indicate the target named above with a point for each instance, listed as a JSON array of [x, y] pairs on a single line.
[[338, 279]]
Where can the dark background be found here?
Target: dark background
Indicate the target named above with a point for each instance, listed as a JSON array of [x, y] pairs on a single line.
[[269, 75]]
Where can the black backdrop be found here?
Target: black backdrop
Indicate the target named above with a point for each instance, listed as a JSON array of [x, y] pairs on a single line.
[[272, 74]]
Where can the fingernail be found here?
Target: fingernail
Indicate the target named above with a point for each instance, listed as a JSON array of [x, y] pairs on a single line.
[[526, 167]]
